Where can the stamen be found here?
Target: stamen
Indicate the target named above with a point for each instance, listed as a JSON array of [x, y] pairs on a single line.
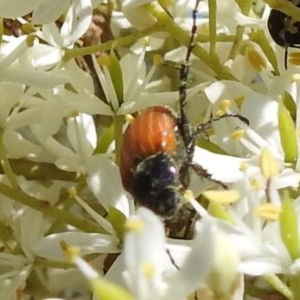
[[269, 211], [222, 197], [134, 225], [255, 59], [238, 134], [268, 164]]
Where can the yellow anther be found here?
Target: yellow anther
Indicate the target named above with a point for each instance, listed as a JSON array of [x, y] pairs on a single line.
[[129, 118], [188, 194], [295, 77], [72, 252], [135, 225], [224, 107], [28, 28], [222, 197], [72, 192], [30, 40], [255, 59], [255, 184], [238, 134], [148, 269], [269, 212], [268, 164], [244, 166], [145, 41], [157, 60]]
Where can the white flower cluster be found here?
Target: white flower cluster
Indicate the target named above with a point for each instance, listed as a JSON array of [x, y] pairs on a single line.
[[61, 130]]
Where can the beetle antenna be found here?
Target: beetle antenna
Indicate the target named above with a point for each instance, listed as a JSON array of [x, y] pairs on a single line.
[[202, 128], [286, 57], [183, 124]]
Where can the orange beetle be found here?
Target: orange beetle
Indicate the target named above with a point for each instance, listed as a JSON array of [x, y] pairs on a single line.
[[148, 168]]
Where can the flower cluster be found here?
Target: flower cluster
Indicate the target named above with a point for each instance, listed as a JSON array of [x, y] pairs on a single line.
[[64, 105]]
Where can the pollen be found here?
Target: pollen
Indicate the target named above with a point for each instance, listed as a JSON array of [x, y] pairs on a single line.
[[148, 269], [135, 225], [222, 197], [238, 134], [269, 212], [268, 165], [255, 59]]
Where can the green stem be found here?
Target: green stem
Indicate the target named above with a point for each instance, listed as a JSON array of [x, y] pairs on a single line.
[[119, 42], [279, 286], [5, 236], [219, 38], [237, 42], [5, 163], [48, 210], [167, 23], [285, 6], [260, 38], [39, 171], [118, 135], [245, 6], [295, 286], [212, 6]]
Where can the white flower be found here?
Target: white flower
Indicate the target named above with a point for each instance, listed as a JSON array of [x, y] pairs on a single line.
[[149, 272], [44, 11]]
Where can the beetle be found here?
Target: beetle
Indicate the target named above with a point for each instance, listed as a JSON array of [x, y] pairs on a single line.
[[284, 30], [149, 169]]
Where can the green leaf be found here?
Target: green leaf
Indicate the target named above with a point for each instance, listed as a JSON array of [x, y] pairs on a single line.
[[288, 221], [105, 290], [105, 140], [116, 75], [287, 133], [117, 219], [290, 104]]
